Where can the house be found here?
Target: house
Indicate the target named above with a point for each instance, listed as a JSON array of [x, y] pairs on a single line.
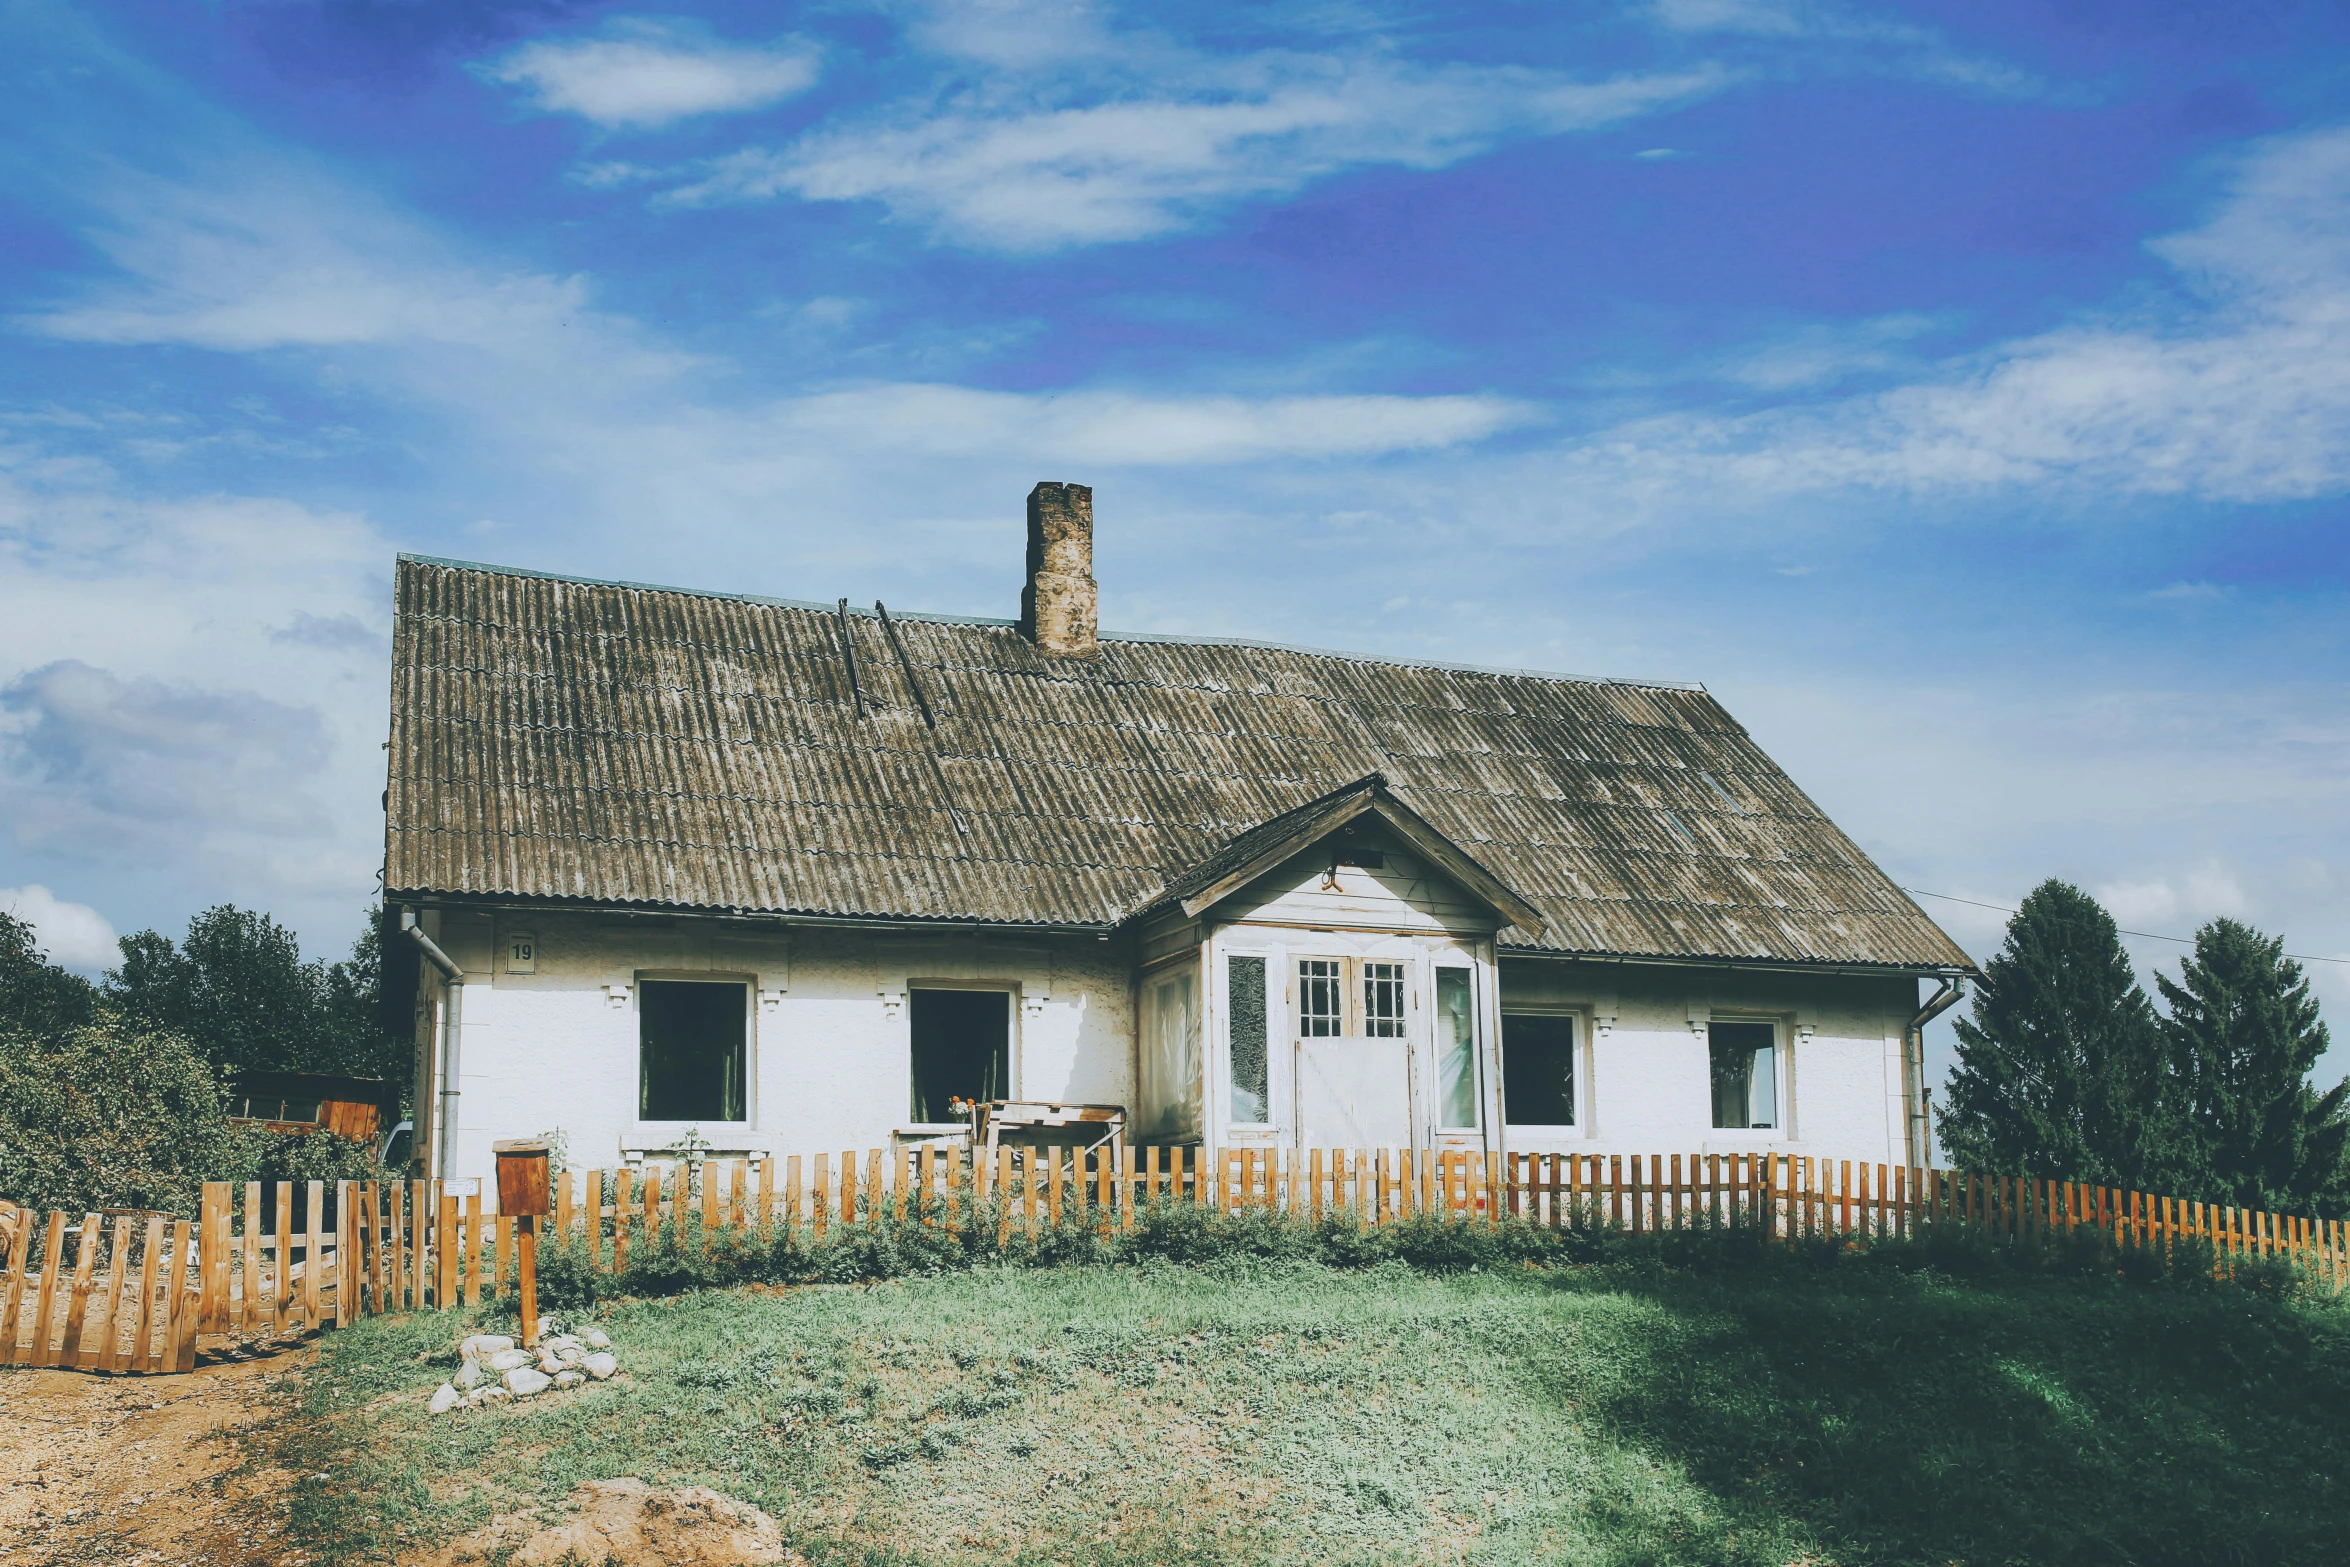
[[797, 877]]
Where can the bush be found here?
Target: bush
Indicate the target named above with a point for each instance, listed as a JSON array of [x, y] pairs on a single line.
[[961, 1234], [109, 1115]]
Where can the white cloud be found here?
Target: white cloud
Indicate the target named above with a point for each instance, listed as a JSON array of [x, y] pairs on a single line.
[[276, 255], [1125, 428], [1833, 35], [1820, 355], [1000, 170], [642, 74], [73, 935], [2171, 905], [155, 718], [2236, 388]]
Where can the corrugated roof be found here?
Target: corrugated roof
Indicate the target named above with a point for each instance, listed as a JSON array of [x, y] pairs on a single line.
[[616, 743]]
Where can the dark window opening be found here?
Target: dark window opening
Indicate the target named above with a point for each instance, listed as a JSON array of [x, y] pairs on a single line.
[[1537, 1069], [690, 1051], [1320, 1002], [962, 1049], [1746, 1075], [1383, 1000]]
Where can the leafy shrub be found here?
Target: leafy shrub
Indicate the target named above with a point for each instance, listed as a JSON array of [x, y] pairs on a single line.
[[959, 1234], [110, 1115]]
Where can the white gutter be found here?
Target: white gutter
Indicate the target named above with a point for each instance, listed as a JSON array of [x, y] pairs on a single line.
[[453, 988], [1914, 1045]]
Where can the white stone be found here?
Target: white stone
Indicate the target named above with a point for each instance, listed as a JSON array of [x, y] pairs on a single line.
[[570, 1356], [483, 1345], [470, 1376], [569, 1378], [594, 1338], [563, 1341], [492, 1394], [522, 1381], [550, 1362], [601, 1367], [510, 1359], [446, 1399]]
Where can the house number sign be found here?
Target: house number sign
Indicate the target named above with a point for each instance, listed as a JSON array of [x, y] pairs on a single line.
[[522, 953]]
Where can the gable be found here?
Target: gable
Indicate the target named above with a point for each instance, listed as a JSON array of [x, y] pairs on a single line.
[[624, 745], [1361, 877]]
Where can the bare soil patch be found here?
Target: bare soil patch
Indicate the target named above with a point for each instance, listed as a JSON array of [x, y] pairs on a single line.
[[631, 1522], [144, 1471]]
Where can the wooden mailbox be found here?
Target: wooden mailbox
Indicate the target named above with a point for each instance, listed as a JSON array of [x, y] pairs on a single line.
[[524, 1194], [524, 1191]]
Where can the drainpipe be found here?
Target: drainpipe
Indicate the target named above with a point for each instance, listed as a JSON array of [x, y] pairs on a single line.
[[453, 987], [1914, 1046]]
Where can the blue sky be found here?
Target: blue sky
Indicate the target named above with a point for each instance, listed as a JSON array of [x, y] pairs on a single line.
[[1961, 392]]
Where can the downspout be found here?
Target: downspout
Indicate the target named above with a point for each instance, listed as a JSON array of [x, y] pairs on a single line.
[[453, 987], [1914, 1047]]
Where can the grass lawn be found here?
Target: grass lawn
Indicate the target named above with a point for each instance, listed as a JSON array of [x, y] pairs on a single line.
[[1284, 1412]]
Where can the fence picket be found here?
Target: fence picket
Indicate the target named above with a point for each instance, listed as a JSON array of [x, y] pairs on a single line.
[[77, 1306]]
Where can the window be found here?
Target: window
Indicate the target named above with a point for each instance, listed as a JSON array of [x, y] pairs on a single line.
[[1383, 1000], [1456, 1046], [1537, 1069], [1252, 1098], [690, 1051], [1746, 1075], [962, 1049], [1170, 1086], [1321, 998]]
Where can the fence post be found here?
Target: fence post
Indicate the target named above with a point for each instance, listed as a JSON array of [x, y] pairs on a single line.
[[343, 1229]]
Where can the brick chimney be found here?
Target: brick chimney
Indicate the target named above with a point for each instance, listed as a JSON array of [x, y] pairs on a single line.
[[1059, 608]]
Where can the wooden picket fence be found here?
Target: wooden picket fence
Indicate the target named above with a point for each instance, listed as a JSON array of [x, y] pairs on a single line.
[[125, 1306], [140, 1286]]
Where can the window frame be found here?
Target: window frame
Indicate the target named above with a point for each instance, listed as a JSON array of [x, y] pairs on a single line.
[[1013, 1012], [1295, 1002], [1782, 1078], [1279, 1041], [1480, 1084], [642, 1129], [1192, 970], [1579, 1052], [1361, 988]]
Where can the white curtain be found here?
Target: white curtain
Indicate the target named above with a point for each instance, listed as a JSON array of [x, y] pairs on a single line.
[[1172, 1091]]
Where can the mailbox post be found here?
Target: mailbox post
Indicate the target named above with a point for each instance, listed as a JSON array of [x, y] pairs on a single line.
[[524, 1193]]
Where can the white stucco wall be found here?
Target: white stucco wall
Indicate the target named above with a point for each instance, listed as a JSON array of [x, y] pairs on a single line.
[[1644, 1083], [830, 1065]]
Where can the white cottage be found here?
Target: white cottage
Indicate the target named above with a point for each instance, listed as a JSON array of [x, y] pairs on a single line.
[[794, 877]]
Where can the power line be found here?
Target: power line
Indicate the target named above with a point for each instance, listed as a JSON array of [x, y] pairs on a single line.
[[2147, 935]]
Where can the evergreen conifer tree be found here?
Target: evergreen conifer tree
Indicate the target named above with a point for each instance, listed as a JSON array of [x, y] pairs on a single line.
[[2061, 1072], [2244, 1032]]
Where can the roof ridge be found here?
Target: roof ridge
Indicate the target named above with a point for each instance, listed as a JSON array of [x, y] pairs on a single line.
[[940, 617]]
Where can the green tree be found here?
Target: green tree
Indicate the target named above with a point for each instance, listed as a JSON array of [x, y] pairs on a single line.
[[2061, 1072], [36, 996], [238, 987], [2244, 1031], [110, 1115]]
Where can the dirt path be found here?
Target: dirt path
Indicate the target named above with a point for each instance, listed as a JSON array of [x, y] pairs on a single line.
[[136, 1470]]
